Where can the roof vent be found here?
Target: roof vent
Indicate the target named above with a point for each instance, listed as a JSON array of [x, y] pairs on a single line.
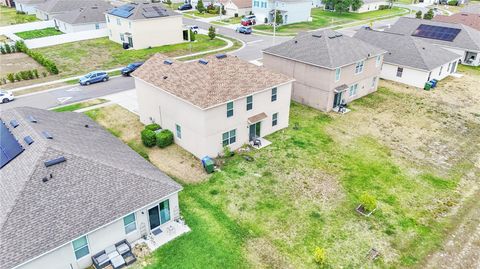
[[332, 36], [28, 139], [221, 56], [317, 36], [44, 179], [338, 35], [31, 119], [86, 126], [203, 61], [296, 41], [14, 123], [168, 62], [55, 161], [47, 135], [165, 77]]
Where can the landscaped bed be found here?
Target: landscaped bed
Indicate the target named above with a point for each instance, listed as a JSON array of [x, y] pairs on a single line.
[[51, 31], [9, 16], [416, 152]]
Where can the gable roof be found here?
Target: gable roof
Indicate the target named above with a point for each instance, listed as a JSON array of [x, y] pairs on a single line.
[[404, 50], [208, 85], [138, 10], [30, 2], [467, 38], [239, 3], [469, 19], [325, 48], [60, 6], [100, 171], [93, 14]]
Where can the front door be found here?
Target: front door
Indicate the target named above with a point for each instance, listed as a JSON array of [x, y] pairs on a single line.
[[337, 99], [254, 130], [130, 42]]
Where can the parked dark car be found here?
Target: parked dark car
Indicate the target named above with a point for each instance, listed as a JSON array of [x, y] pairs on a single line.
[[94, 77], [127, 70], [185, 7], [244, 30]]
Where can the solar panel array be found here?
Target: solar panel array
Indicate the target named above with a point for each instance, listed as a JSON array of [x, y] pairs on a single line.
[[9, 146], [154, 12], [436, 32], [122, 11]]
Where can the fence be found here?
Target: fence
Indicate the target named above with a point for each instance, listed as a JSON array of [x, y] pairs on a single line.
[[65, 38]]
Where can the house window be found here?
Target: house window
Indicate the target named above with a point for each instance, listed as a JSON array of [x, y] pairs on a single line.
[[249, 102], [229, 109], [274, 94], [359, 67], [338, 71], [353, 89], [399, 72], [80, 247], [378, 61], [374, 80], [264, 4], [164, 211], [108, 19], [97, 26], [129, 223], [274, 119], [119, 22], [110, 31], [440, 72], [229, 138], [255, 3], [122, 37], [179, 130], [130, 24]]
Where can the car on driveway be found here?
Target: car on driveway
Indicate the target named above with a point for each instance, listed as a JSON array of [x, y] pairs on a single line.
[[127, 70], [93, 77], [185, 7], [6, 97], [244, 30], [248, 20]]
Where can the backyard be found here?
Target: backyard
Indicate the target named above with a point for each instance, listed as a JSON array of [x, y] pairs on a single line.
[[323, 18], [51, 31], [9, 16], [417, 152]]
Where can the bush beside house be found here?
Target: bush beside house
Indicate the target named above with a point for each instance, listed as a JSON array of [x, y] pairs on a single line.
[[164, 138]]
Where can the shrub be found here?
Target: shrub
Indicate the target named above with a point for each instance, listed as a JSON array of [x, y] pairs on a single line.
[[24, 75], [452, 3], [44, 74], [211, 32], [4, 81], [428, 15], [153, 127], [164, 138], [49, 65], [320, 256], [192, 36], [2, 50], [368, 201], [227, 152], [265, 20], [35, 73], [11, 77], [235, 15], [8, 49], [18, 77], [148, 138], [418, 15], [200, 7], [31, 75], [382, 7]]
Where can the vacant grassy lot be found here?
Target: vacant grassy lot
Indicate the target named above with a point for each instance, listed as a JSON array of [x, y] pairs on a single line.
[[231, 20], [322, 18], [51, 31], [9, 16], [417, 152], [82, 57]]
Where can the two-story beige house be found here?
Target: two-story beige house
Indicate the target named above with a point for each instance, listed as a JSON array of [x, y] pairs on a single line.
[[329, 68], [212, 103], [140, 25]]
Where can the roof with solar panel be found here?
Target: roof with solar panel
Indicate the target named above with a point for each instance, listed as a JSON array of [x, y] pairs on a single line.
[[442, 33], [142, 10], [46, 158]]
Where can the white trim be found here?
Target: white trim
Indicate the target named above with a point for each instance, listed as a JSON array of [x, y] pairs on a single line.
[[88, 246], [124, 226]]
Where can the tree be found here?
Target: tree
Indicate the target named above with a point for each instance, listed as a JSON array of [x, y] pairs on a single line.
[[343, 5], [428, 15], [211, 32], [356, 4], [200, 7], [418, 15], [8, 49], [278, 18], [192, 35]]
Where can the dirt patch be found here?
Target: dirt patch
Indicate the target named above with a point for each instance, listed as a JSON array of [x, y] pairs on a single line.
[[16, 62], [262, 254]]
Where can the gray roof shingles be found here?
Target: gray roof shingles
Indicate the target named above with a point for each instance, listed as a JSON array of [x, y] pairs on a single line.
[[60, 6], [406, 50], [91, 14], [101, 180], [325, 48]]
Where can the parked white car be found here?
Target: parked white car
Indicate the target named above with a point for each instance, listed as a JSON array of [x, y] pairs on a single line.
[[6, 97]]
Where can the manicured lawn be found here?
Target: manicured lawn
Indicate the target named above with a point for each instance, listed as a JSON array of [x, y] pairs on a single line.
[[322, 18], [201, 15], [231, 20], [9, 16], [51, 31], [82, 57], [81, 105]]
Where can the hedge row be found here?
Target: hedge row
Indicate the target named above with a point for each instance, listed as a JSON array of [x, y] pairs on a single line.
[[151, 138], [6, 48], [23, 75], [49, 64]]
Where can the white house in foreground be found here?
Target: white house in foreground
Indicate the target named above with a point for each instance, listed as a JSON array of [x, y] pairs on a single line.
[[292, 11], [144, 24], [411, 61], [212, 103], [71, 192]]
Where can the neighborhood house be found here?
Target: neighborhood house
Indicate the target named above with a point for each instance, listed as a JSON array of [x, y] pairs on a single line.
[[291, 11], [465, 18], [140, 25], [72, 194], [48, 9], [82, 19], [330, 69], [28, 6], [371, 5], [409, 60], [212, 103], [237, 7]]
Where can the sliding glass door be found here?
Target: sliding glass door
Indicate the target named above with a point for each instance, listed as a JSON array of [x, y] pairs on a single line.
[[159, 214]]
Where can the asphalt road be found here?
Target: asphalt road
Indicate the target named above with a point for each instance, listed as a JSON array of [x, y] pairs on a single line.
[[71, 94]]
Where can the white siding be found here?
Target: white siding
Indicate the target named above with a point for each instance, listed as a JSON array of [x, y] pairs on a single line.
[[294, 12], [29, 9], [70, 28], [371, 6]]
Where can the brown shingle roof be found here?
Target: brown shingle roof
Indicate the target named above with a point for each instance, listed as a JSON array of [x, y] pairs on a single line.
[[208, 85], [469, 19], [239, 3]]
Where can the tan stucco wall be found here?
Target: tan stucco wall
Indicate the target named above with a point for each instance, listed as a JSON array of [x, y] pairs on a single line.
[[147, 33], [314, 86], [202, 129]]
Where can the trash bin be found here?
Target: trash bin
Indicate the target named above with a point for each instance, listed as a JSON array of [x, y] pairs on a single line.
[[428, 86], [208, 164], [434, 83]]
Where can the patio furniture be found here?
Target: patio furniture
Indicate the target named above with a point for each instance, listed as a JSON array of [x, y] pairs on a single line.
[[117, 261], [114, 256]]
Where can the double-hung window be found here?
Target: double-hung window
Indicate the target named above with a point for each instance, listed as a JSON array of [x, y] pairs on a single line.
[[229, 137], [129, 223], [119, 22], [359, 67], [399, 72], [378, 61], [353, 89], [249, 102], [97, 26], [229, 109], [178, 130], [338, 71], [108, 19], [274, 119], [274, 94], [122, 37], [80, 247], [256, 3]]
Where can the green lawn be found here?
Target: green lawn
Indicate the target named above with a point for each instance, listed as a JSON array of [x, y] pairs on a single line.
[[195, 13], [84, 56], [80, 105], [9, 16], [231, 20], [322, 18], [51, 31]]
